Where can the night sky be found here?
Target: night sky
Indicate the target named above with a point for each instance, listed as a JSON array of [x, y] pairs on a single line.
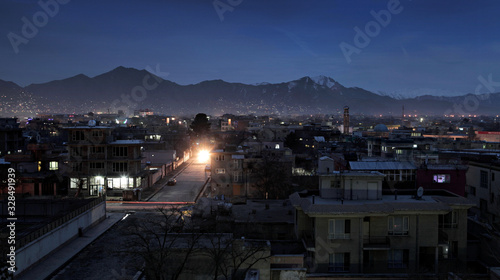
[[436, 47]]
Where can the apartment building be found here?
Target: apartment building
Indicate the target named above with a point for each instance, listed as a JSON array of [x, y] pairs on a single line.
[[100, 164], [238, 172], [483, 188], [227, 171], [351, 227]]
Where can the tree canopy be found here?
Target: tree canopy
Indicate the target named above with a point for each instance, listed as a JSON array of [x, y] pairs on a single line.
[[200, 125]]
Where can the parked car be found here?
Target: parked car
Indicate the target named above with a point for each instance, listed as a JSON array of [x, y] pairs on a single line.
[[171, 182]]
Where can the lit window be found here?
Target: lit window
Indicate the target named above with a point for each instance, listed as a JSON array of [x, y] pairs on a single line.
[[220, 171], [76, 182], [441, 178], [53, 165]]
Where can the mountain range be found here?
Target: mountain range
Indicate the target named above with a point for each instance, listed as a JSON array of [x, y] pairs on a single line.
[[129, 89]]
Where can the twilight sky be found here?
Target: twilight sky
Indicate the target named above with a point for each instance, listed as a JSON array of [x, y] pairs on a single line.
[[427, 46]]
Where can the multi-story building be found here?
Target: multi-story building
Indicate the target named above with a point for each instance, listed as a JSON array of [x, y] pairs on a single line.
[[483, 188], [100, 164], [11, 136], [238, 172], [349, 226], [39, 170], [227, 171]]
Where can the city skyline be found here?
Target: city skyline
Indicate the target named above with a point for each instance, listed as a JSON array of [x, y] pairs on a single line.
[[399, 47]]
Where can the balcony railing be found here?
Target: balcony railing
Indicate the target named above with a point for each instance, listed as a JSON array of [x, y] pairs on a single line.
[[333, 236], [376, 242]]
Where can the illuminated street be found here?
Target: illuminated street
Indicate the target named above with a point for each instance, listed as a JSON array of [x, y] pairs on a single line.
[[188, 186]]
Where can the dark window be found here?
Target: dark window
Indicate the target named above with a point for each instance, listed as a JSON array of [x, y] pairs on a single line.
[[335, 184], [120, 151], [483, 183], [76, 151], [449, 220], [398, 258], [120, 167], [78, 135], [96, 165], [97, 150], [96, 133], [339, 262], [219, 157], [77, 166], [472, 190]]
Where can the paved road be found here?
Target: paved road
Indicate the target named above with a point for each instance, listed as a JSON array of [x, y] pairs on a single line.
[[189, 184]]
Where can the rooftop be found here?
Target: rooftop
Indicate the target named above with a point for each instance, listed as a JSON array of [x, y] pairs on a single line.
[[381, 165], [389, 204], [352, 173], [126, 142]]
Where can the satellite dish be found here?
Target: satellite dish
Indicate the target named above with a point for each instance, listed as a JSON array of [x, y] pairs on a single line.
[[420, 192], [92, 123]]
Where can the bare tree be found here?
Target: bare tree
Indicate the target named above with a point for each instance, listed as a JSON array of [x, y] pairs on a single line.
[[272, 178], [165, 242], [233, 258]]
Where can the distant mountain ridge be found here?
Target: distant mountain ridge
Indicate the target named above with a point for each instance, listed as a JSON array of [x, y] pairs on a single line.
[[129, 89]]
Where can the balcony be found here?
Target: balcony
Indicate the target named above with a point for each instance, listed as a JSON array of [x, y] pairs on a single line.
[[339, 236], [376, 243]]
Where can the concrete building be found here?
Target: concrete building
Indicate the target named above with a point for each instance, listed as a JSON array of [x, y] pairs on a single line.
[[235, 172], [11, 136], [350, 227], [40, 170], [101, 164], [483, 188]]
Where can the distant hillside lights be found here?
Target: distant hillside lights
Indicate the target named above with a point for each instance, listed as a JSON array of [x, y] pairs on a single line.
[[471, 102], [372, 29], [39, 19]]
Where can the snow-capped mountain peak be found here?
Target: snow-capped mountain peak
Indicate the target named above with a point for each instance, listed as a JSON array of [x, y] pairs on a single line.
[[324, 81]]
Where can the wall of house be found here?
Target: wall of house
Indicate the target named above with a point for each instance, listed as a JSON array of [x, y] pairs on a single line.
[[490, 195]]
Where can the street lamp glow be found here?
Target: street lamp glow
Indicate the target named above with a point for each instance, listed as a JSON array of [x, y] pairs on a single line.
[[203, 155]]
